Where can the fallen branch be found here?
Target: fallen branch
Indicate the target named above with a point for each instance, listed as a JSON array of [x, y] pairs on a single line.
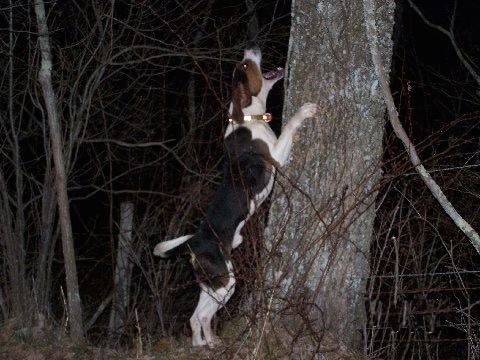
[[402, 135]]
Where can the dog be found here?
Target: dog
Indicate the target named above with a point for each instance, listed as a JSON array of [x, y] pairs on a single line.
[[252, 153]]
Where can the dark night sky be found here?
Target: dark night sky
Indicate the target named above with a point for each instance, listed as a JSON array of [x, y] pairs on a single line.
[[442, 86]]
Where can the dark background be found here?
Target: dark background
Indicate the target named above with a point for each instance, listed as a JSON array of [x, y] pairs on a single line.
[[184, 59]]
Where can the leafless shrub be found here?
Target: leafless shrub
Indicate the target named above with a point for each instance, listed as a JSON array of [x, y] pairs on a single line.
[[423, 268]]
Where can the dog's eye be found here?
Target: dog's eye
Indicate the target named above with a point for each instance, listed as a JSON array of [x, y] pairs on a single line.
[[245, 66]]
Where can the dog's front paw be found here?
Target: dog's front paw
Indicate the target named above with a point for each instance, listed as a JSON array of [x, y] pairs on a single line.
[[308, 110]]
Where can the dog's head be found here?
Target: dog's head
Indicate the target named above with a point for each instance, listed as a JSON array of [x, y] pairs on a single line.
[[250, 87]]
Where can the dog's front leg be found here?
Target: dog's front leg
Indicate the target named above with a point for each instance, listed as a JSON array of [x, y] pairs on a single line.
[[281, 150]]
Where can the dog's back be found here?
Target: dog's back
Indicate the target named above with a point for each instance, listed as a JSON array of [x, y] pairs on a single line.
[[247, 170]]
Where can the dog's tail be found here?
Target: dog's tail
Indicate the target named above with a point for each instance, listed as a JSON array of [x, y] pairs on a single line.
[[172, 247]]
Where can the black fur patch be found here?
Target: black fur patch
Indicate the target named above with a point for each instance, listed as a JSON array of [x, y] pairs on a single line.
[[246, 172]]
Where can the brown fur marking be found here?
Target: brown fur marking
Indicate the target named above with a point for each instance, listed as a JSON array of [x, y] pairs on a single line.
[[247, 82]]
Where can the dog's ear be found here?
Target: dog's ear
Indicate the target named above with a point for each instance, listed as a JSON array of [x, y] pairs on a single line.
[[254, 77], [241, 95]]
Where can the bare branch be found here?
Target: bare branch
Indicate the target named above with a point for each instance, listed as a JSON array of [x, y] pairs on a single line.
[[146, 144], [451, 36], [436, 191]]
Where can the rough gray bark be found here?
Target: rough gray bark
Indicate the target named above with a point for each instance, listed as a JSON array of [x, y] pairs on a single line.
[[322, 217], [45, 79]]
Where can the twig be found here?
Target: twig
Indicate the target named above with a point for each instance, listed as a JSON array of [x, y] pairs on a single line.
[[162, 144], [103, 305], [257, 346], [402, 135], [449, 33]]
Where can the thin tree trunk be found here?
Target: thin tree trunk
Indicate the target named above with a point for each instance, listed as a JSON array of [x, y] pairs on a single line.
[[45, 79], [14, 224], [192, 85], [118, 314], [47, 238], [15, 262]]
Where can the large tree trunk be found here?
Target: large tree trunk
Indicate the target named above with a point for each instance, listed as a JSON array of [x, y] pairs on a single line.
[[322, 217]]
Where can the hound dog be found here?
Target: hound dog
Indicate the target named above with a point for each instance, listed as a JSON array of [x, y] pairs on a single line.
[[252, 152]]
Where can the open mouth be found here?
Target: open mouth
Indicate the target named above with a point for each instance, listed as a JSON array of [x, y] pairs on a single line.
[[275, 74]]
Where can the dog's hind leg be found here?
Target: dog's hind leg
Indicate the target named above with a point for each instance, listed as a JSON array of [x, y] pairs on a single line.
[[202, 317], [211, 300], [197, 339]]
